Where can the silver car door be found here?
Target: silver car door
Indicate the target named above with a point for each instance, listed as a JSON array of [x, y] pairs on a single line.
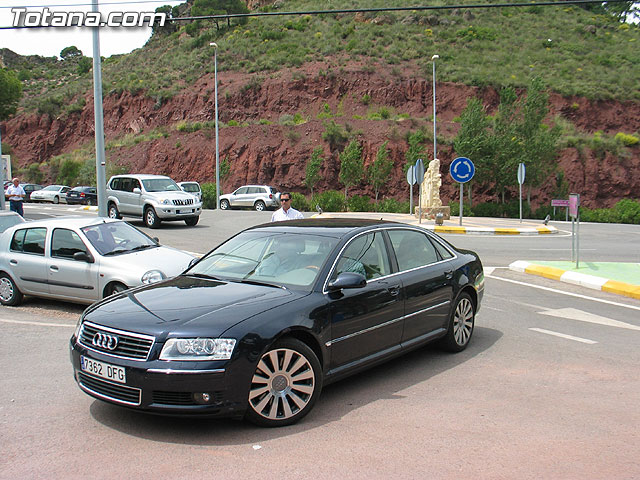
[[27, 263]]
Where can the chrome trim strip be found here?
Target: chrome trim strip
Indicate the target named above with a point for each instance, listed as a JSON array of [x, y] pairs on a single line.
[[366, 330], [117, 400], [427, 309], [170, 370], [123, 332]]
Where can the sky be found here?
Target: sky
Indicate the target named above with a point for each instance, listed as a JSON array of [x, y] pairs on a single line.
[[49, 42]]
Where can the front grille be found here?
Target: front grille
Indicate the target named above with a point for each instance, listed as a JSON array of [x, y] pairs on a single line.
[[111, 391], [130, 345], [188, 201], [181, 398]]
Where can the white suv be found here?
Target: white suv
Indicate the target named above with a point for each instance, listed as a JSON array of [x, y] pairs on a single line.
[[259, 197], [154, 198]]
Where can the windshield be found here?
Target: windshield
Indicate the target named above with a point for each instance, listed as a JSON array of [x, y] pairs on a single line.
[[53, 187], [113, 238], [160, 185], [190, 187], [286, 259]]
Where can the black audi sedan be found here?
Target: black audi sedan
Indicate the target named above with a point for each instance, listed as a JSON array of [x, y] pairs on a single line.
[[258, 325]]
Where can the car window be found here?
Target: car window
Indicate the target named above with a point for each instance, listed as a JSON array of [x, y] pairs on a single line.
[[442, 251], [255, 190], [366, 255], [413, 249], [242, 190], [52, 187], [29, 240], [65, 189], [116, 184], [160, 185], [191, 187], [116, 238], [64, 243]]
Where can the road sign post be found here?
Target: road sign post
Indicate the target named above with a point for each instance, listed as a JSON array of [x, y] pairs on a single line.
[[521, 175], [574, 211], [411, 178], [462, 170], [419, 174]]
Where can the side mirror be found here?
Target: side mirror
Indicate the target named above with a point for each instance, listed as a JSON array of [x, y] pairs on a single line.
[[83, 257], [137, 190], [156, 239], [347, 280]]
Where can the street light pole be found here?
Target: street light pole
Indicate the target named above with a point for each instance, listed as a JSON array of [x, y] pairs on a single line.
[[215, 79], [433, 60], [99, 122]]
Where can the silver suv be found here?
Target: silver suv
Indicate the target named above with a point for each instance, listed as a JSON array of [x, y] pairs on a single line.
[[259, 197], [154, 198]]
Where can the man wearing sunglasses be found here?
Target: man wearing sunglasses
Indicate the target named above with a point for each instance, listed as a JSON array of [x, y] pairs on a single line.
[[286, 212]]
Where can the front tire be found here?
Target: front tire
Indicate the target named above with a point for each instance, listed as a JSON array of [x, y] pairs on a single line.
[[259, 206], [113, 288], [151, 219], [56, 199], [461, 324], [285, 386], [113, 212], [9, 293], [192, 222], [224, 204]]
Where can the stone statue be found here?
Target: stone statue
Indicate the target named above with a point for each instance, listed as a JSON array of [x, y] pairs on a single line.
[[431, 185]]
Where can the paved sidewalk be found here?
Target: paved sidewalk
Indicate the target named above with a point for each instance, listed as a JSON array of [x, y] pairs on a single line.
[[470, 225], [618, 278]]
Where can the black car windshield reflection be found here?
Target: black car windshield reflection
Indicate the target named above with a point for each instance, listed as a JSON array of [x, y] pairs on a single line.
[[282, 259], [114, 238]]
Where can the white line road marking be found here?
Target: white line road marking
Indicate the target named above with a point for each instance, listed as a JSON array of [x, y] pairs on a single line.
[[575, 314], [562, 335], [577, 295], [40, 324], [489, 270]]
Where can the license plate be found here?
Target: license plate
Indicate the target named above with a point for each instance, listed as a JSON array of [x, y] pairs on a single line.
[[104, 370]]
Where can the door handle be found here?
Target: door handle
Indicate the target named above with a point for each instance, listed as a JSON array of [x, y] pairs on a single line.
[[53, 268], [394, 291], [13, 262], [448, 274]]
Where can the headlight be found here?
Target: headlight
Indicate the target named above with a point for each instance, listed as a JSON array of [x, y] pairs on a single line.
[[165, 201], [198, 349], [152, 276]]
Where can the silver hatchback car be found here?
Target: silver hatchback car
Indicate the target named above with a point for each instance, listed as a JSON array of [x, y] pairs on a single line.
[[81, 260], [258, 197]]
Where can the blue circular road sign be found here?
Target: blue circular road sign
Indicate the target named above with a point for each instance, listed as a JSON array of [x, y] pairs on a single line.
[[462, 170]]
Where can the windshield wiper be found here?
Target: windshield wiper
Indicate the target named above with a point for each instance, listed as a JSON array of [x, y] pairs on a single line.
[[116, 252], [263, 284], [142, 247], [202, 275]]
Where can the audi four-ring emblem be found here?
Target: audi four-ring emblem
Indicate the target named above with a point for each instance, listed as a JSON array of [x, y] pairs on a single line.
[[104, 340]]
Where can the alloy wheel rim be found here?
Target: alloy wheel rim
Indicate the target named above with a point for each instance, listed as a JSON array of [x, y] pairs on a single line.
[[282, 385], [463, 322], [6, 289]]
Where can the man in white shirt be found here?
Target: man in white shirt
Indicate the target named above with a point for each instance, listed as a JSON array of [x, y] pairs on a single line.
[[15, 194], [286, 212]]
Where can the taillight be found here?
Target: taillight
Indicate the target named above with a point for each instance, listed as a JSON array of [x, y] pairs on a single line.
[[270, 195], [82, 194]]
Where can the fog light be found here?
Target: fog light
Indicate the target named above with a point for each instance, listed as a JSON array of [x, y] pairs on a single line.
[[203, 398]]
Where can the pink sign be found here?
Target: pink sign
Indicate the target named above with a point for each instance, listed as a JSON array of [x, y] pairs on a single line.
[[559, 203], [574, 203]]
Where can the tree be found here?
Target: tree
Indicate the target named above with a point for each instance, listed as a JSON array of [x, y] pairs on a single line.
[[312, 174], [219, 7], [10, 93], [416, 148], [380, 169], [474, 141], [70, 52], [351, 166]]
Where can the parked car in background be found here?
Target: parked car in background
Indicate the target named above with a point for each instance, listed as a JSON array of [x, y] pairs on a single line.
[[259, 197], [154, 198], [258, 325], [80, 259], [52, 193], [193, 188], [83, 196], [9, 219], [29, 188]]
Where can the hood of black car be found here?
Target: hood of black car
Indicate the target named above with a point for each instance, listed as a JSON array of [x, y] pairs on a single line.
[[187, 306]]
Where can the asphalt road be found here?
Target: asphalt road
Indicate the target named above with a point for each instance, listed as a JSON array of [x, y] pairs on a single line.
[[548, 388]]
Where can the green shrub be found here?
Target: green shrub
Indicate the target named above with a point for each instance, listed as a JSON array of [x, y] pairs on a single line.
[[391, 205], [627, 211], [487, 209], [626, 140], [300, 202], [208, 195], [330, 201], [358, 203]]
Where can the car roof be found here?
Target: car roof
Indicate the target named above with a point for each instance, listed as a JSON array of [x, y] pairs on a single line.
[[141, 176], [69, 222], [8, 213], [334, 227], [189, 181]]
